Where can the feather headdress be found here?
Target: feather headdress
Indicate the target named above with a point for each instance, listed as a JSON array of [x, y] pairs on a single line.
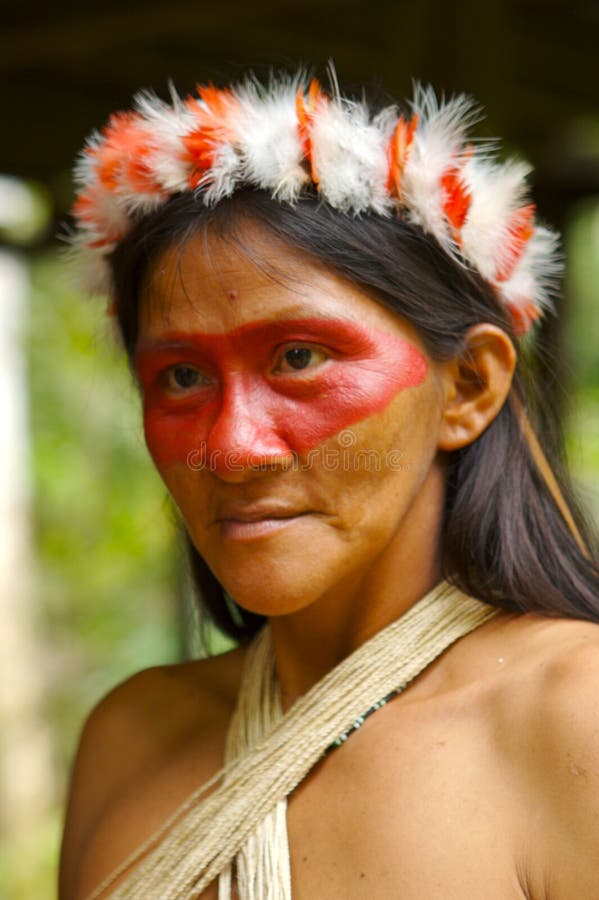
[[291, 138]]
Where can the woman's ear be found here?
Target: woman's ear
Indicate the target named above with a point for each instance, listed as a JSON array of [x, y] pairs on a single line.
[[476, 385]]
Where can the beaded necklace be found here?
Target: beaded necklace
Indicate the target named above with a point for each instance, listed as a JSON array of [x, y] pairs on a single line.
[[361, 719]]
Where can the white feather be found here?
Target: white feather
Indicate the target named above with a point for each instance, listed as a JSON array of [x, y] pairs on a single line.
[[84, 173], [166, 125], [107, 217], [536, 277], [497, 191], [225, 173], [385, 121], [269, 140], [136, 203], [223, 176], [437, 146], [453, 118], [350, 158]]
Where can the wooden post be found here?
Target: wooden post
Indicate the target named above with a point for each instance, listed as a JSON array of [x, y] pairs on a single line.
[[26, 781]]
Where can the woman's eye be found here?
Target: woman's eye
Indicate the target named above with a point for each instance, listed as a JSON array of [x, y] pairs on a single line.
[[183, 378], [294, 359]]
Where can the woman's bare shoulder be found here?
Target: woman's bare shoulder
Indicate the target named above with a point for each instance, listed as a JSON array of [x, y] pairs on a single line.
[[134, 733], [551, 668], [563, 708], [558, 656], [550, 737], [156, 709]]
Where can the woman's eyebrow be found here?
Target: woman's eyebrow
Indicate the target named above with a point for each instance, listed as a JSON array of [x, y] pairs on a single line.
[[147, 345], [181, 340]]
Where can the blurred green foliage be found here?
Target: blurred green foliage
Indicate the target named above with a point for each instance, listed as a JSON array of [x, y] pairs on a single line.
[[582, 341], [103, 527], [104, 535]]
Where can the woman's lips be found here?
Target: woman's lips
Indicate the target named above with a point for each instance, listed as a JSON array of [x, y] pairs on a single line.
[[239, 530], [248, 521]]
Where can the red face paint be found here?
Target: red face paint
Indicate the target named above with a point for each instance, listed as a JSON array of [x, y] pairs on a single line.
[[248, 407]]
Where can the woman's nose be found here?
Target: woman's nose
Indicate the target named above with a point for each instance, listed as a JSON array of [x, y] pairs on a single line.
[[244, 437]]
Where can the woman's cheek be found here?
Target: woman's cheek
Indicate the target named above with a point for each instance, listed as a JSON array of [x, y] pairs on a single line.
[[175, 438], [349, 393]]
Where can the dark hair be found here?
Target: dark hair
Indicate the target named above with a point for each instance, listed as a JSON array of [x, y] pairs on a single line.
[[504, 538]]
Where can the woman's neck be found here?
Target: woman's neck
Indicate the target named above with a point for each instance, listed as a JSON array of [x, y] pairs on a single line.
[[312, 641]]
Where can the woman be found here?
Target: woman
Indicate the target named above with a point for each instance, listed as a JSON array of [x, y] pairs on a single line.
[[322, 307]]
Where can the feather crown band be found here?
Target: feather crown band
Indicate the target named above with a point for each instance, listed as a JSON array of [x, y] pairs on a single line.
[[290, 138]]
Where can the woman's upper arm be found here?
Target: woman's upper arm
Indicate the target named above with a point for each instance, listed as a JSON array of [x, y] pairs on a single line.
[[134, 756], [112, 748], [564, 756]]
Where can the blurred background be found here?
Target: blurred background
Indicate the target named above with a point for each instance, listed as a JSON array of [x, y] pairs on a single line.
[[92, 585]]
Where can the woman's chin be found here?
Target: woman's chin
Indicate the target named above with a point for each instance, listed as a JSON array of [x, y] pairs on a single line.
[[268, 566], [270, 594], [272, 586]]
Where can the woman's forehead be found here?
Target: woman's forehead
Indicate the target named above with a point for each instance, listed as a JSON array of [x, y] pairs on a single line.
[[213, 284]]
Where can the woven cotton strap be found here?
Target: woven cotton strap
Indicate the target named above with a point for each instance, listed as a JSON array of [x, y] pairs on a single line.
[[262, 867], [202, 837]]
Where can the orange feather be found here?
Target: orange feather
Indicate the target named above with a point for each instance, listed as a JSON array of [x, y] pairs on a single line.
[[305, 117], [202, 143], [122, 154], [520, 230], [457, 198], [399, 151], [87, 209], [523, 315]]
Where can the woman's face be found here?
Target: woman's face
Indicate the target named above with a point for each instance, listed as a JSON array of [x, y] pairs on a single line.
[[293, 419]]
